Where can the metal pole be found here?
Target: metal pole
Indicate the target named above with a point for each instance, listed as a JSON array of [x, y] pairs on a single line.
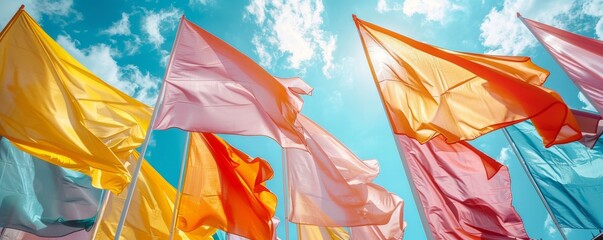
[[413, 188], [182, 172], [527, 170], [2, 233], [286, 192], [101, 213]]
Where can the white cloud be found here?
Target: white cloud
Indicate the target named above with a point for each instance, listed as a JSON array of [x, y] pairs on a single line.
[[200, 2], [155, 22], [99, 59], [386, 6], [551, 229], [260, 50], [587, 105], [39, 8], [504, 155], [293, 29], [434, 10], [595, 8], [121, 27]]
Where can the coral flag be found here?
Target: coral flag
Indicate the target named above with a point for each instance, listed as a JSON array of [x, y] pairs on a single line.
[[52, 107], [459, 201], [429, 91], [212, 87], [579, 56], [275, 222], [224, 188], [331, 187]]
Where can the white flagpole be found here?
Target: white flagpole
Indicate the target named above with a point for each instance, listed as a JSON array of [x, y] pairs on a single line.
[[101, 213], [182, 173], [158, 105], [286, 192], [527, 170], [413, 188]]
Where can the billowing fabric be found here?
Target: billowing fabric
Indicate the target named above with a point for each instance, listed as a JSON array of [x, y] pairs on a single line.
[[275, 222], [310, 232], [330, 187], [210, 80], [590, 125], [150, 213], [225, 189], [458, 199], [579, 56], [429, 91], [41, 198], [389, 231], [52, 107], [569, 177], [13, 234]]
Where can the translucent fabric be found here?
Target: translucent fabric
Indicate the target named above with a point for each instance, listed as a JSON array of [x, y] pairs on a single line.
[[309, 232], [13, 234], [225, 189], [569, 176], [52, 107], [429, 91], [591, 126], [275, 222], [210, 80], [458, 199], [579, 56], [41, 198]]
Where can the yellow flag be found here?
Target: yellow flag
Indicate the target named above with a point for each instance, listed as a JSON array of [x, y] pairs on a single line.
[[311, 232], [52, 107]]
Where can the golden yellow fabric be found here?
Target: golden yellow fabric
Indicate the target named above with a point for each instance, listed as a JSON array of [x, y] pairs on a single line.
[[52, 107], [310, 232], [150, 213]]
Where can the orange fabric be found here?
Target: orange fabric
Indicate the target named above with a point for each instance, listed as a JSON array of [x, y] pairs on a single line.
[[430, 91], [224, 188]]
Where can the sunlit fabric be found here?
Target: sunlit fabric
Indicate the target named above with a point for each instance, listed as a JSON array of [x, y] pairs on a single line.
[[579, 56], [52, 107], [331, 187], [310, 232], [150, 213], [458, 200], [429, 91], [591, 126], [389, 231], [275, 222], [210, 80], [224, 188], [41, 198], [13, 234], [569, 176]]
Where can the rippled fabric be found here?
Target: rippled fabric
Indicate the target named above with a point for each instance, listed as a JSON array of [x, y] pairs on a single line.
[[275, 222], [429, 91], [458, 199], [569, 176], [13, 234], [52, 107], [309, 232], [579, 56], [225, 189], [591, 126], [150, 213], [210, 80], [389, 231], [41, 198], [330, 187]]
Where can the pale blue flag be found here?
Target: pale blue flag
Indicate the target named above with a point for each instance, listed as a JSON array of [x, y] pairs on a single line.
[[570, 176], [41, 198]]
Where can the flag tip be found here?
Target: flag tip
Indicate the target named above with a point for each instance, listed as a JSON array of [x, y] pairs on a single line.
[[183, 17], [354, 17], [22, 7], [518, 14]]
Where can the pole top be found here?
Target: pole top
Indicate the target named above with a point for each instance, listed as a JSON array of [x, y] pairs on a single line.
[[22, 7], [354, 17], [518, 15]]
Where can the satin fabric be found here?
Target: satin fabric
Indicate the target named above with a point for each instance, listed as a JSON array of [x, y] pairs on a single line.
[[275, 222], [428, 91], [210, 80], [52, 107], [41, 198], [569, 177], [13, 234], [591, 126], [458, 199], [225, 189], [579, 56], [310, 232], [389, 231]]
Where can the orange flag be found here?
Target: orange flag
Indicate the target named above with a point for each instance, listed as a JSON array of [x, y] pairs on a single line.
[[224, 188], [429, 91]]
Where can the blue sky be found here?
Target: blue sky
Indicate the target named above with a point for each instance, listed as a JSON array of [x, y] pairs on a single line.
[[127, 44]]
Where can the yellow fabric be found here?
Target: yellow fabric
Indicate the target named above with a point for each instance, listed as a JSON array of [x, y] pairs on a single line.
[[150, 213], [52, 107], [310, 232]]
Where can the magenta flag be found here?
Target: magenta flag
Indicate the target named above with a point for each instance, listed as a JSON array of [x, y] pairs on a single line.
[[331, 187], [590, 125], [458, 199], [579, 56], [212, 87]]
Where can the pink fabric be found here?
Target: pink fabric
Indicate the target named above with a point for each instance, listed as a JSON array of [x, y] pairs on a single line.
[[275, 222], [331, 187], [579, 56], [458, 199], [393, 230], [591, 127], [212, 87]]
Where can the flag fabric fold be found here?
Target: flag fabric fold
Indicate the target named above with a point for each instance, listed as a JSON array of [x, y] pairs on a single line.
[[222, 184], [428, 91], [275, 222], [569, 177], [393, 230], [210, 80], [458, 199], [591, 126], [310, 232], [43, 199], [579, 57], [52, 107]]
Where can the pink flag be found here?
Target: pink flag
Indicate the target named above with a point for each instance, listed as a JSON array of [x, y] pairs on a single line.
[[331, 187], [579, 56], [591, 127], [212, 87], [459, 201], [393, 230]]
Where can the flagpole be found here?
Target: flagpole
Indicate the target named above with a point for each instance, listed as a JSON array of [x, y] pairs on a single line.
[[527, 170], [101, 213], [421, 210], [2, 233], [182, 172], [158, 105], [286, 192]]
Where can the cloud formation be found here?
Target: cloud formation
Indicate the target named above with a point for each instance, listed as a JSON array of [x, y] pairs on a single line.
[[154, 23], [121, 27], [434, 10], [39, 8], [504, 155], [587, 105]]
